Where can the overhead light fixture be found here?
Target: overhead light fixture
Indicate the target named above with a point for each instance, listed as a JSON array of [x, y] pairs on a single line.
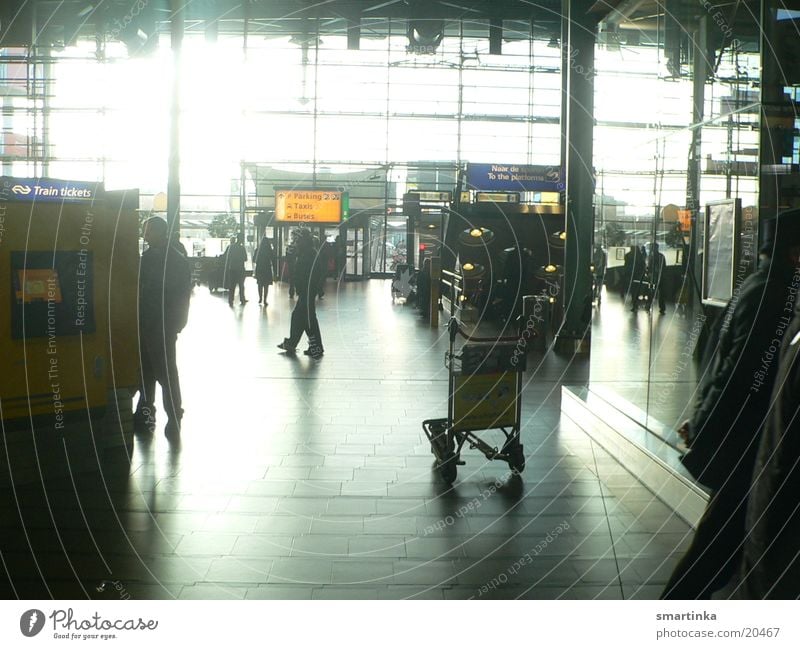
[[424, 36], [472, 270], [89, 8], [476, 237], [549, 271], [432, 226], [554, 42], [558, 239]]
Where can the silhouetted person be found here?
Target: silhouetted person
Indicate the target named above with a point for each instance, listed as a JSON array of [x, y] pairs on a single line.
[[304, 316], [235, 259], [165, 286], [771, 553], [633, 271], [599, 271], [656, 265], [724, 430], [424, 288], [291, 261], [264, 261]]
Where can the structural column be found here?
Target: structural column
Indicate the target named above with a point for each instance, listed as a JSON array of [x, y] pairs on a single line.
[[577, 131], [174, 178], [779, 184]]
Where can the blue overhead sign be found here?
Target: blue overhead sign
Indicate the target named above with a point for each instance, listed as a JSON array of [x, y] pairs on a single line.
[[49, 190], [514, 178]]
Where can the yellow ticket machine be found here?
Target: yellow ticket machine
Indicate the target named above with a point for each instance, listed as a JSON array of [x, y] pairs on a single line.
[[68, 275]]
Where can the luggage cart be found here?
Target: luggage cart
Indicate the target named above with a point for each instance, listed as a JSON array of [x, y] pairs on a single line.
[[485, 385]]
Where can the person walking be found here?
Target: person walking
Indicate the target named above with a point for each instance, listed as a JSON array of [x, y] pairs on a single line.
[[235, 259], [165, 287], [304, 315], [733, 399], [264, 262], [633, 272]]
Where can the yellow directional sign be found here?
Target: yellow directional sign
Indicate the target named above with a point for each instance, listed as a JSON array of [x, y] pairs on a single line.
[[308, 206]]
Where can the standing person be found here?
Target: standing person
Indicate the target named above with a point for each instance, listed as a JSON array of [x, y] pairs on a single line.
[[656, 264], [165, 286], [733, 399], [264, 261], [235, 259], [291, 261], [770, 567], [599, 272], [304, 316], [633, 271]]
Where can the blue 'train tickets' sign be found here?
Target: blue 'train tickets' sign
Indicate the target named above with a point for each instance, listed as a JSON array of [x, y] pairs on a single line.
[[49, 190]]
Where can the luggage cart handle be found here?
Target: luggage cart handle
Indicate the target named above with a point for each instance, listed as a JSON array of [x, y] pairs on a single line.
[[454, 328]]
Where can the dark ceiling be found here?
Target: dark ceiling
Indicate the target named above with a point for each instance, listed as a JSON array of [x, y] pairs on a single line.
[[59, 22]]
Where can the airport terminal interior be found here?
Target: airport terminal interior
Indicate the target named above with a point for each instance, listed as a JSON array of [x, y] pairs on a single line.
[[486, 189]]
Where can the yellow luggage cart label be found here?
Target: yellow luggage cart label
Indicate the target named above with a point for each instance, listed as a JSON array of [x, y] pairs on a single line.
[[485, 401]]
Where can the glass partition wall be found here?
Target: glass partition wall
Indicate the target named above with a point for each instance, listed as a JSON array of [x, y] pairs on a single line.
[[659, 160]]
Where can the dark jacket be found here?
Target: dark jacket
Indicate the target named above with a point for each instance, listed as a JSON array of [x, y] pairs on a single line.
[[264, 261], [307, 272], [165, 286], [635, 266], [771, 553], [734, 392], [235, 259]]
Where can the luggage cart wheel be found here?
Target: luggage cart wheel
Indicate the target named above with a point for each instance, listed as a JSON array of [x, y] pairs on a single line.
[[448, 468], [516, 460]]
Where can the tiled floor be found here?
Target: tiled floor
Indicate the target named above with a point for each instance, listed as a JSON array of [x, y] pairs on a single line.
[[312, 480]]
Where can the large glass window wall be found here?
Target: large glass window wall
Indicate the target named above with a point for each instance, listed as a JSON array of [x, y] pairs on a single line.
[[282, 97], [645, 362]]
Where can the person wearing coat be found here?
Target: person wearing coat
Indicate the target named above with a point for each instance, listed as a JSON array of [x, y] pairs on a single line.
[[770, 566], [725, 427], [304, 316], [235, 259], [633, 271], [165, 286], [264, 261]]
